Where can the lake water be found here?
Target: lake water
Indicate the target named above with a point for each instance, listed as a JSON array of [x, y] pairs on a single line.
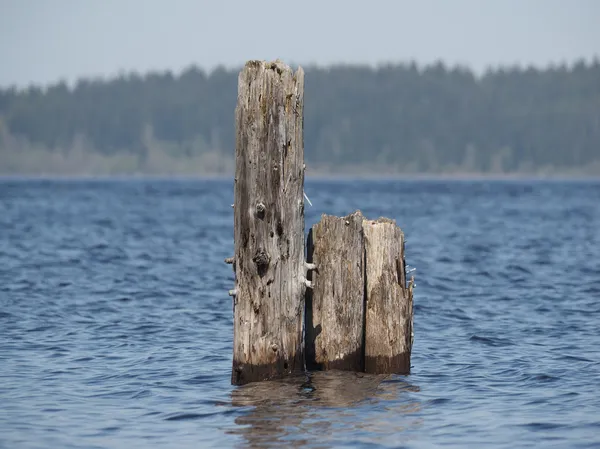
[[116, 326]]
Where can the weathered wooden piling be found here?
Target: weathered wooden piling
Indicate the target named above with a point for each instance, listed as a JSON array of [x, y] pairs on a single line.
[[359, 312], [270, 272], [389, 308], [335, 304]]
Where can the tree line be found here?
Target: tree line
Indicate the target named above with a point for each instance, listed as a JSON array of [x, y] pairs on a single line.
[[398, 118]]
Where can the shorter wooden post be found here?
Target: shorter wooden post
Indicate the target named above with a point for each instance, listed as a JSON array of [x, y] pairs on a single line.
[[389, 308], [335, 304], [359, 312]]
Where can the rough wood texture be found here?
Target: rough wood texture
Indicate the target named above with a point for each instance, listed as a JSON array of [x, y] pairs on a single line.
[[389, 309], [335, 305], [269, 223]]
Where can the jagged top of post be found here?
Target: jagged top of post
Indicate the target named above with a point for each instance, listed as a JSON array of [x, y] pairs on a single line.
[[358, 214], [277, 65], [383, 220]]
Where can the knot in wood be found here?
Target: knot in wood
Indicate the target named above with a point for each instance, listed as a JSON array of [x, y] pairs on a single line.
[[262, 260], [274, 347], [260, 210]]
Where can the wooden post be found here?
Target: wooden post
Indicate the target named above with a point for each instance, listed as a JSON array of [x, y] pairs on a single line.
[[359, 310], [359, 313], [389, 310], [335, 306], [268, 223]]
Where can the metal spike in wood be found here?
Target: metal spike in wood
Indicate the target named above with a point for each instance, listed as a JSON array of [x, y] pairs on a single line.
[[269, 223], [335, 304], [389, 305]]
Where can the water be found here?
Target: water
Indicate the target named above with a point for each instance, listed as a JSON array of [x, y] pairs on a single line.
[[115, 323]]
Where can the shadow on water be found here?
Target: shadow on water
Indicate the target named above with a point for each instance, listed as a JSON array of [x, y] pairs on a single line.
[[308, 410]]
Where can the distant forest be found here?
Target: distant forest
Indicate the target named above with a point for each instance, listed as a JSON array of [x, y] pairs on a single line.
[[391, 119]]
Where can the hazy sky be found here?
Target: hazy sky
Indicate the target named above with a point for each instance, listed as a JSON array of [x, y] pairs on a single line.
[[42, 41]]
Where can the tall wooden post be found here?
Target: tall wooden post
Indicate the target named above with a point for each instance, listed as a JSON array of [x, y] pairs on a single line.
[[269, 223], [389, 308], [335, 306]]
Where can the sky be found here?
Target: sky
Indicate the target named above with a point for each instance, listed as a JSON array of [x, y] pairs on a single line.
[[44, 41]]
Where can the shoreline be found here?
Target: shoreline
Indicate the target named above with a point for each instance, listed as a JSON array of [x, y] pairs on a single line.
[[317, 176]]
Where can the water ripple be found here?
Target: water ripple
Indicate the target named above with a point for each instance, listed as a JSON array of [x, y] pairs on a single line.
[[117, 327]]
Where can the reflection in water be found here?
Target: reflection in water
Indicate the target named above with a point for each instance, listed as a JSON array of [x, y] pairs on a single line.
[[325, 407]]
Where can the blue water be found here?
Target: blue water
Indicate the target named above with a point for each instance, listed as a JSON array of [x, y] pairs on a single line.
[[116, 326]]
